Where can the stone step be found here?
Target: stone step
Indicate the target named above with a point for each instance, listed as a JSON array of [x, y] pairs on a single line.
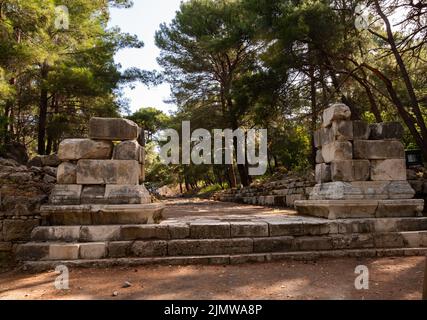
[[341, 209], [221, 229], [224, 259], [227, 246], [75, 215]]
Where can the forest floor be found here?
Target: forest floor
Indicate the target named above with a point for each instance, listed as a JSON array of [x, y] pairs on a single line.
[[389, 278]]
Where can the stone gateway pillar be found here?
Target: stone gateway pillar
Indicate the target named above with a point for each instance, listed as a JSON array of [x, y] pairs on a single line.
[[100, 179], [360, 170]]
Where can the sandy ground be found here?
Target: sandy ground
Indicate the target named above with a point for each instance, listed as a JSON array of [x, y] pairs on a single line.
[[194, 207], [390, 278]]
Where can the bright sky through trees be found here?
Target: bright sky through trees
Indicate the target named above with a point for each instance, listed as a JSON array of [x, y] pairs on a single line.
[[143, 19]]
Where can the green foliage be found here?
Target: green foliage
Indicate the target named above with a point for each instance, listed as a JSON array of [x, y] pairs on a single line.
[[61, 77]]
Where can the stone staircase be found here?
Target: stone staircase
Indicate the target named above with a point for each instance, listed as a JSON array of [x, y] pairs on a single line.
[[225, 240]]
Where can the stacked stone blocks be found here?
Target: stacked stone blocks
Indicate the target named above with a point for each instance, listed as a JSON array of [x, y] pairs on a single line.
[[360, 170], [106, 168]]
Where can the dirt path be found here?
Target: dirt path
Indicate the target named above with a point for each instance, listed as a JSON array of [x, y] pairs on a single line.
[[390, 278], [194, 207]]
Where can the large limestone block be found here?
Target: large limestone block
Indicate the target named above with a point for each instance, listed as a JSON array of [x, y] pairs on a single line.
[[323, 136], [338, 150], [65, 194], [338, 209], [127, 150], [338, 111], [93, 194], [319, 157], [113, 129], [362, 190], [388, 170], [386, 130], [342, 130], [127, 194], [76, 149], [350, 170], [66, 173], [323, 173], [378, 149], [361, 130], [123, 172]]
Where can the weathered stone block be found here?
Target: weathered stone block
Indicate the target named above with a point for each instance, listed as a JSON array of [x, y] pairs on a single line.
[[249, 229], [67, 173], [127, 150], [93, 194], [179, 230], [323, 173], [386, 131], [342, 130], [99, 233], [211, 230], [319, 157], [339, 190], [337, 209], [273, 244], [209, 246], [127, 194], [284, 228], [62, 233], [18, 230], [388, 170], [122, 172], [291, 198], [338, 150], [352, 241], [66, 194], [32, 251], [361, 130], [336, 111], [63, 251], [119, 249], [400, 208], [378, 149], [350, 170], [113, 129], [389, 240], [313, 243], [76, 149], [144, 232], [319, 228], [326, 136], [149, 248], [91, 251]]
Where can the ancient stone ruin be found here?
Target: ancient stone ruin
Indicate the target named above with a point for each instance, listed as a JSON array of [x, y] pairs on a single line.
[[99, 180], [360, 171]]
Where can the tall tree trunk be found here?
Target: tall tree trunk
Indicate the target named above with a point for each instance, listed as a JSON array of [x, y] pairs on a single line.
[[41, 148], [313, 114]]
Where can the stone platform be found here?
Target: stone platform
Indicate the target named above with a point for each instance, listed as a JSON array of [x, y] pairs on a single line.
[[342, 209], [222, 239], [102, 214]]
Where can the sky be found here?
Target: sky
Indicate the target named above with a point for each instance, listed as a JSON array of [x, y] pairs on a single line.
[[143, 19]]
